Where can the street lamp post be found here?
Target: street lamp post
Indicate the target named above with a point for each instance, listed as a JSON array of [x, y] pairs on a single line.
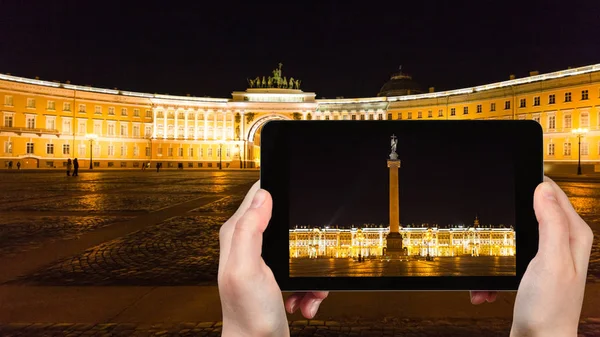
[[238, 152], [579, 132], [91, 137], [220, 156]]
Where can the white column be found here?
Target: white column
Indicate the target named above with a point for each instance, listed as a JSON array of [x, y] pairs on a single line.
[[243, 125], [165, 127], [224, 125], [185, 130], [214, 131], [195, 125], [176, 126], [205, 123], [153, 124], [232, 132]]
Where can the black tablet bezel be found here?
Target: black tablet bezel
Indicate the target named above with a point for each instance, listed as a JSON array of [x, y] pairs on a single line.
[[525, 137]]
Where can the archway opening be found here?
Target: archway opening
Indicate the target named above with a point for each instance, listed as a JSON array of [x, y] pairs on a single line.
[[253, 137]]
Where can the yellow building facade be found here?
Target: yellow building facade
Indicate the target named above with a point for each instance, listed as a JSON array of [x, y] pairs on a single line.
[[370, 241], [44, 123]]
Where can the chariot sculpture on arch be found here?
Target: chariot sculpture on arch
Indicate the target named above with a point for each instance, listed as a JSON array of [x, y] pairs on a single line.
[[275, 81]]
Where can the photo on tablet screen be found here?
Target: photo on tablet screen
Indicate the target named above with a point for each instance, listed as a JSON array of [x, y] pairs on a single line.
[[395, 202]]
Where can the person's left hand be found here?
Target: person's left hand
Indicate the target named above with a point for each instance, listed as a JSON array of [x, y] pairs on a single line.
[[251, 300]]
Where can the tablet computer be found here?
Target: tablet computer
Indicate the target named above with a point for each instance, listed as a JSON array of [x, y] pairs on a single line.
[[401, 205]]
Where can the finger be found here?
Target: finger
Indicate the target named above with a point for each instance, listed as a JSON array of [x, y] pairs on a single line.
[[226, 231], [553, 223], [309, 304], [246, 241], [292, 303], [477, 297], [580, 233]]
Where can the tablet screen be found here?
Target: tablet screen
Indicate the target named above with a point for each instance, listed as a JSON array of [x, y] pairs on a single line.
[[398, 201]]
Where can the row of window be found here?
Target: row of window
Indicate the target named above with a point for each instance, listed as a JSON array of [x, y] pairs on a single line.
[[190, 116], [585, 149], [82, 126], [51, 106], [66, 150]]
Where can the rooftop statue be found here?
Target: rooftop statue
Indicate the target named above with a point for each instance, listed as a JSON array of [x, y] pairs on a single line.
[[275, 81]]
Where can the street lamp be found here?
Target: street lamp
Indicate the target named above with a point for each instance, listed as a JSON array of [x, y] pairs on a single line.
[[91, 137], [428, 238], [238, 153], [220, 156], [579, 132]]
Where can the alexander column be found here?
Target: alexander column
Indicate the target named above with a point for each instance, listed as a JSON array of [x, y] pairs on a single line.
[[394, 239]]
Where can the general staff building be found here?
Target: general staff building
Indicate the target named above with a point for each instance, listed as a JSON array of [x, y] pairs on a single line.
[[44, 122]]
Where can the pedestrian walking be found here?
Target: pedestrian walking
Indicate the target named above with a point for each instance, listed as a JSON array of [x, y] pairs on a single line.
[[157, 167], [18, 165], [69, 166], [75, 168], [10, 165]]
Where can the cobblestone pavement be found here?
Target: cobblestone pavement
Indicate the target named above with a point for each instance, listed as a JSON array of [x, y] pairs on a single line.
[[393, 327], [227, 205], [109, 203], [180, 251], [22, 233], [585, 197]]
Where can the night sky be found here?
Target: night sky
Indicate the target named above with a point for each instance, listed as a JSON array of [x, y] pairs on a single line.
[[339, 175], [337, 48]]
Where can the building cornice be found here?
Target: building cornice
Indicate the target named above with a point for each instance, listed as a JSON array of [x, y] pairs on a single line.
[[88, 92]]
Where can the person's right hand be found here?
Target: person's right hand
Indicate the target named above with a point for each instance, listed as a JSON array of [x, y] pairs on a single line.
[[550, 295]]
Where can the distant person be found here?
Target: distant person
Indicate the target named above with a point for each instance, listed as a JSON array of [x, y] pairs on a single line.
[[75, 168], [548, 303], [10, 165], [69, 166], [157, 167], [18, 165]]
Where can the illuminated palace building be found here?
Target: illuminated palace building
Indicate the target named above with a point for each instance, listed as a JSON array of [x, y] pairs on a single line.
[[44, 122], [370, 241]]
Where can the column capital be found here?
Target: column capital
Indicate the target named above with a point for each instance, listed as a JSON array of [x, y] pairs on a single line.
[[393, 163]]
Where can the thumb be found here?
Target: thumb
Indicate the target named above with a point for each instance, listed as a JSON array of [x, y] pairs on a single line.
[[553, 223], [246, 243]]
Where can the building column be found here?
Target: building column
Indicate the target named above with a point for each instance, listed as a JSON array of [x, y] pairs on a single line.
[[153, 123], [215, 126], [185, 123], [195, 125], [205, 124], [176, 126], [165, 126], [224, 114]]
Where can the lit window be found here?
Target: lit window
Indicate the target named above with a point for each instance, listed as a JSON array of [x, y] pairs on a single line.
[[584, 120], [568, 121], [551, 122], [567, 149], [551, 149]]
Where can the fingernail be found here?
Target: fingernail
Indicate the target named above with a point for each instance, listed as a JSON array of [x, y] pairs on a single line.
[[259, 199], [548, 192], [293, 305], [314, 307]]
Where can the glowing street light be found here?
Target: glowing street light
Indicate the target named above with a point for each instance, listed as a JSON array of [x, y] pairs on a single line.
[[91, 137], [579, 132]]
